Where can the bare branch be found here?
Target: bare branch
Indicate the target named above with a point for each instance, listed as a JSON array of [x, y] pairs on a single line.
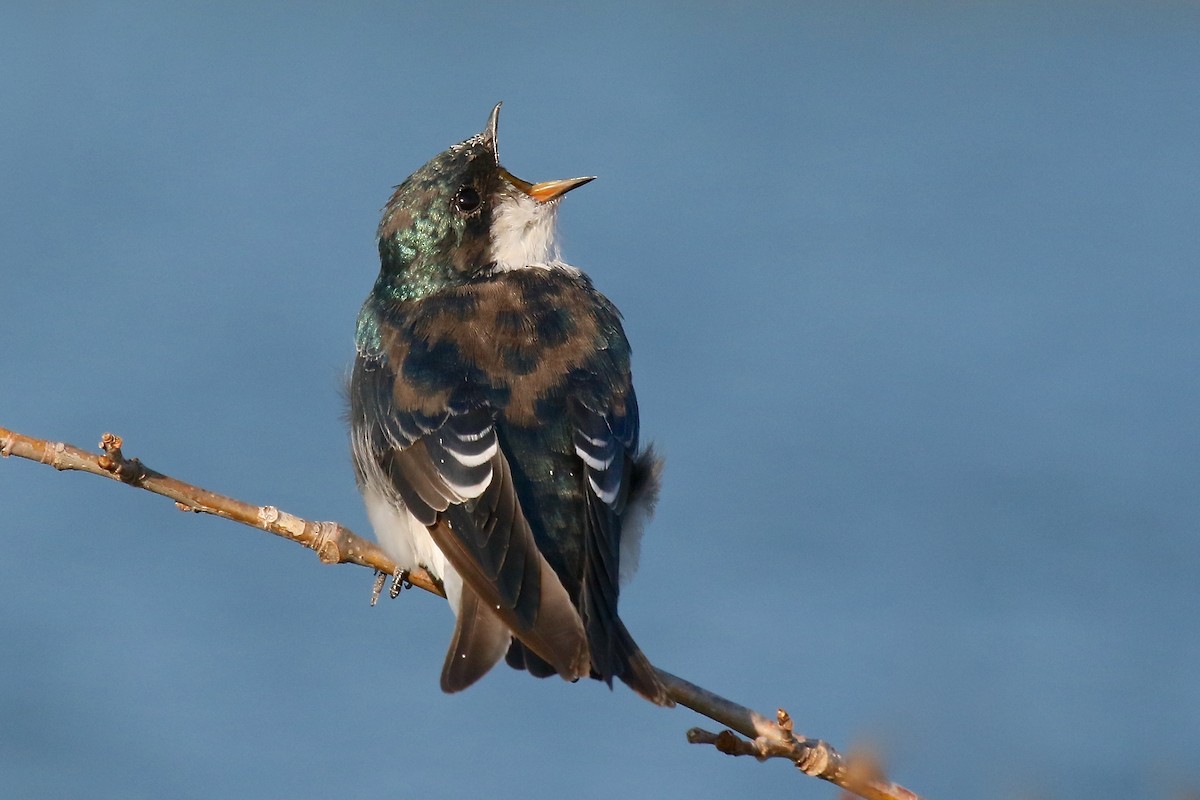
[[814, 757], [336, 544], [333, 543]]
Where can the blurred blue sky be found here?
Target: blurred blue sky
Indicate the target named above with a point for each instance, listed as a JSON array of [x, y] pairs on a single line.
[[913, 293]]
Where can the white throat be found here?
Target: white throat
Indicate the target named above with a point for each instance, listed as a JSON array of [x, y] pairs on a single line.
[[523, 234]]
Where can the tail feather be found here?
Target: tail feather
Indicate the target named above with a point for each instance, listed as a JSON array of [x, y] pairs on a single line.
[[479, 641], [636, 671], [629, 664], [521, 657]]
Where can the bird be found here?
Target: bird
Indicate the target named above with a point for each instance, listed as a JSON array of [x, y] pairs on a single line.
[[494, 426]]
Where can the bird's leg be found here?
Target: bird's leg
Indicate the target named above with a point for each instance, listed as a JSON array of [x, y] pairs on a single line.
[[399, 581], [377, 590]]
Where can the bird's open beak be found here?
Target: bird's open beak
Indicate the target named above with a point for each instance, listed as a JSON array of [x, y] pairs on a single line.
[[545, 191]]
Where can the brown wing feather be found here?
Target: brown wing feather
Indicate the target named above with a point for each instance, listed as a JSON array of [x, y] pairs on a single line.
[[487, 540], [499, 560]]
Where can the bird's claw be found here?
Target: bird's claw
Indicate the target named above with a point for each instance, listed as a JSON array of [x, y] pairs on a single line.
[[399, 581]]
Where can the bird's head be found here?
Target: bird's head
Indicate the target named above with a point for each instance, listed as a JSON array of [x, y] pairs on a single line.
[[462, 216]]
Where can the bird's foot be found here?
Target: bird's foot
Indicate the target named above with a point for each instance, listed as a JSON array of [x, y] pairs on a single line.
[[399, 581]]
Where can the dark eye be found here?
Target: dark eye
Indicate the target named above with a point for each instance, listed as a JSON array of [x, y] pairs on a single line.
[[467, 200]]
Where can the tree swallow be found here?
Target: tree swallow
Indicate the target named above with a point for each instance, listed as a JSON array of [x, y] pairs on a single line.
[[494, 426]]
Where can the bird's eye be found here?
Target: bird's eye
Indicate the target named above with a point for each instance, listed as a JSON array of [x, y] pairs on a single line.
[[467, 200]]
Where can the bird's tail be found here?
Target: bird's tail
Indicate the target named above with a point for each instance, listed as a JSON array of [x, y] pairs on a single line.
[[627, 662], [636, 671]]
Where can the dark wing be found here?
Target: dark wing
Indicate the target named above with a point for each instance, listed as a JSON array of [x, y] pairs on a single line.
[[606, 440], [446, 465]]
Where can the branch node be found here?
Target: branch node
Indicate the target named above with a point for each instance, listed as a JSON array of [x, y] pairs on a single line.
[[268, 515], [325, 542], [52, 455], [128, 470], [731, 744], [814, 759]]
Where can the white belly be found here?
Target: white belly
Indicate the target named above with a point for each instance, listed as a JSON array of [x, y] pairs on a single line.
[[408, 542]]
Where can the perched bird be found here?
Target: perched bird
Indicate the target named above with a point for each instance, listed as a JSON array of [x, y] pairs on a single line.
[[494, 426]]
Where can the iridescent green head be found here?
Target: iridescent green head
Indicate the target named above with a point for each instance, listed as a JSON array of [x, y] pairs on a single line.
[[463, 215]]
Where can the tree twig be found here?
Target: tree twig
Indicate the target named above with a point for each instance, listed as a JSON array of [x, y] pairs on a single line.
[[336, 544], [813, 757], [333, 543]]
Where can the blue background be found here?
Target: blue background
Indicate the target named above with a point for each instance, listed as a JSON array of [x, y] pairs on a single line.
[[913, 293]]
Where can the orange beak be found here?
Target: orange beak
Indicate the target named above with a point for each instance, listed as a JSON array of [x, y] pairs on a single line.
[[545, 191]]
